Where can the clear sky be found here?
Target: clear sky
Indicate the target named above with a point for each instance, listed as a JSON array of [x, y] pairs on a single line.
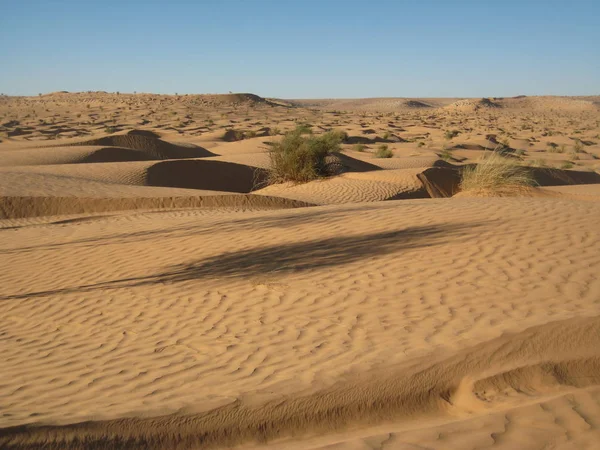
[[304, 48]]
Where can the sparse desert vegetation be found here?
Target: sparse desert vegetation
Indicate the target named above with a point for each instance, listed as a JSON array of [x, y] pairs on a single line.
[[495, 174], [227, 243], [299, 157]]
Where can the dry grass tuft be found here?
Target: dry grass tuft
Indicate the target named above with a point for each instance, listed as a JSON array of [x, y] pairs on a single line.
[[496, 173]]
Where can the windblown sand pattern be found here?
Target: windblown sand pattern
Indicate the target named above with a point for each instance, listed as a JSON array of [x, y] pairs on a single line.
[[154, 293]]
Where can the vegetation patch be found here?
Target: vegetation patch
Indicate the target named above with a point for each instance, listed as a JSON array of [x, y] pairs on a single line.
[[496, 174], [300, 157]]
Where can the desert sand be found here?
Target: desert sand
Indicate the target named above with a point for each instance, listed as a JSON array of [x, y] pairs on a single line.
[[155, 292]]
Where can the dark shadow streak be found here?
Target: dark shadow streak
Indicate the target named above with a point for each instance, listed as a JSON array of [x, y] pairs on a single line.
[[281, 220], [283, 259]]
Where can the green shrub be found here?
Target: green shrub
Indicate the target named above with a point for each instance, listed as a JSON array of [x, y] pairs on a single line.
[[383, 151], [360, 147], [301, 158]]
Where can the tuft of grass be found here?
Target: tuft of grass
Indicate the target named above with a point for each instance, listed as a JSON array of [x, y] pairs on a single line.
[[360, 147], [495, 174], [450, 134], [383, 151], [300, 158], [567, 165], [304, 128], [445, 154]]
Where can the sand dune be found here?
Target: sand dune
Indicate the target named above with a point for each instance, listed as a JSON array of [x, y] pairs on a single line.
[[353, 187], [155, 293], [153, 146], [419, 296], [22, 207], [187, 174]]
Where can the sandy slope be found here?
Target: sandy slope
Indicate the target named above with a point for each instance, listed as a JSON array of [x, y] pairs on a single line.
[[151, 314], [151, 285]]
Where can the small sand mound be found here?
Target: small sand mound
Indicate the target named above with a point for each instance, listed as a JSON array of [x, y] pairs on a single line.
[[488, 103], [204, 174], [158, 148], [22, 207], [234, 99], [85, 179], [416, 104], [147, 133], [442, 182], [353, 187]]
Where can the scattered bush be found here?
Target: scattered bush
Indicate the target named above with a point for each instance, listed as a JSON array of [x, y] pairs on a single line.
[[383, 151], [495, 174], [234, 135], [301, 158], [446, 154], [304, 128], [567, 165], [450, 134], [360, 147]]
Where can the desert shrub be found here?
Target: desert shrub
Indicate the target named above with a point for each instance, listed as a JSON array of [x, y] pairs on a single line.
[[360, 147], [110, 130], [383, 151], [301, 158], [451, 134], [446, 154], [494, 174], [567, 165], [233, 135], [304, 128], [341, 134]]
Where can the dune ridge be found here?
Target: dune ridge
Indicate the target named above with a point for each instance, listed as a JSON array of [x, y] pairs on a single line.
[[22, 207]]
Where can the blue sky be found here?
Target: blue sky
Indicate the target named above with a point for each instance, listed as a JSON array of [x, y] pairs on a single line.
[[302, 49]]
